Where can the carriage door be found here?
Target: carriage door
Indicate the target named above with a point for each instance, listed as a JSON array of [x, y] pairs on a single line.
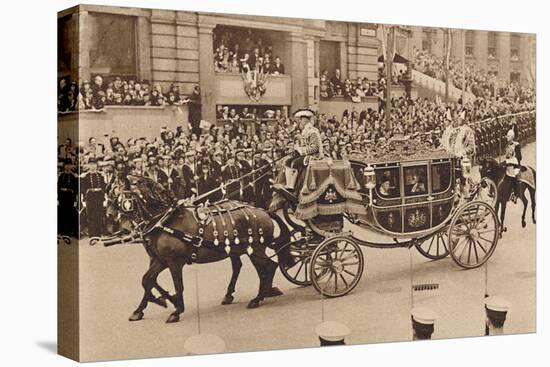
[[416, 197], [441, 176]]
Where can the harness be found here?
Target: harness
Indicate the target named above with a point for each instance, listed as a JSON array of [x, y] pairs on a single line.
[[197, 241]]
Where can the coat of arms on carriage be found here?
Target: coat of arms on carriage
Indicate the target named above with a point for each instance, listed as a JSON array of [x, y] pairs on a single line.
[[417, 219], [331, 195]]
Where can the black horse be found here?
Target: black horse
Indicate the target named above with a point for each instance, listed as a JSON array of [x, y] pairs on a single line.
[[190, 234], [490, 168], [175, 234]]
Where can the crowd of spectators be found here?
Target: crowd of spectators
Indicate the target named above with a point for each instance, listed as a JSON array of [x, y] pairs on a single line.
[[98, 94], [477, 81], [279, 132], [244, 51], [188, 163], [336, 85]]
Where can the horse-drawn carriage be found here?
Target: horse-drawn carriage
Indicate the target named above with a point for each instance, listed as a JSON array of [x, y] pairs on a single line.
[[397, 196]]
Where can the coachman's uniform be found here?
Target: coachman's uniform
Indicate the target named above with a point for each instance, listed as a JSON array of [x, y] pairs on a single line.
[[313, 147], [93, 190]]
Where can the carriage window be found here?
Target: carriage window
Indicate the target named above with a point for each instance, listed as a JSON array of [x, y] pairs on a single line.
[[388, 183], [441, 177], [416, 179]]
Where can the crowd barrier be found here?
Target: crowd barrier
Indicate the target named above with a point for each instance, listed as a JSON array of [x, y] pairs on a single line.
[[438, 86], [123, 121], [336, 106]]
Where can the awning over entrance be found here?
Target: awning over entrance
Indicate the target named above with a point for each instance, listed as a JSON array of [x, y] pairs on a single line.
[[396, 58]]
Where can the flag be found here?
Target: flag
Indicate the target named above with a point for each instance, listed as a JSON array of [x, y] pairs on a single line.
[[381, 34], [532, 62], [448, 46]]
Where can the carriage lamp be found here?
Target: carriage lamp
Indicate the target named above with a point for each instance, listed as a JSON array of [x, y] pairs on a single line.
[[370, 181], [466, 167]]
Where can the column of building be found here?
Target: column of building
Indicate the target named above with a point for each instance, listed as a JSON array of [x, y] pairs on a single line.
[[298, 70], [504, 55], [207, 73]]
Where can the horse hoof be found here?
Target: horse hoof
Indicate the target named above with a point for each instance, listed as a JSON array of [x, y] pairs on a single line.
[[523, 224], [534, 221], [136, 316], [228, 299], [505, 229], [274, 292], [173, 318], [255, 303], [161, 301]]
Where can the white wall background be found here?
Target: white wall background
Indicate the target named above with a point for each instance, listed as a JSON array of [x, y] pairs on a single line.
[[28, 121]]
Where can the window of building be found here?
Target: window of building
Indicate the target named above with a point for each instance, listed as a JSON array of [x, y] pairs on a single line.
[[515, 76], [238, 49], [112, 45], [66, 44], [329, 56], [469, 43], [514, 47], [492, 45], [427, 40]]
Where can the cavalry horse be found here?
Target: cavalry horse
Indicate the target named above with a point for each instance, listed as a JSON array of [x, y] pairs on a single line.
[[496, 171], [184, 233]]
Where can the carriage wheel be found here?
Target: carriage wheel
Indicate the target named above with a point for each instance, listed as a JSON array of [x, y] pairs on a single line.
[[336, 266], [299, 273], [436, 247], [473, 234], [487, 192]]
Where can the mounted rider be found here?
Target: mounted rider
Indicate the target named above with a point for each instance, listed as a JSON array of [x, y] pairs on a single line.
[[311, 146], [513, 163]]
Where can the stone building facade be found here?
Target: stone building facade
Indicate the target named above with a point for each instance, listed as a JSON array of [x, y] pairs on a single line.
[[177, 47], [508, 56]]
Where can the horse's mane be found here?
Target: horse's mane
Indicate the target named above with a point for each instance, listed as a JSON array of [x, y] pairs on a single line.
[[155, 197]]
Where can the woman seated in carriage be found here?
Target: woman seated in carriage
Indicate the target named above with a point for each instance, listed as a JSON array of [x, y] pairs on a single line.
[[384, 188]]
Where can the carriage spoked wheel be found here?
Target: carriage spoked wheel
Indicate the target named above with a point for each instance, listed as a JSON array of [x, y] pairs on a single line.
[[299, 273], [336, 266], [473, 234], [436, 247], [487, 192]]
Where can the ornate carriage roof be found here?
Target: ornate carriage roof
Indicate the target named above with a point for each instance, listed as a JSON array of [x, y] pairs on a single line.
[[400, 149]]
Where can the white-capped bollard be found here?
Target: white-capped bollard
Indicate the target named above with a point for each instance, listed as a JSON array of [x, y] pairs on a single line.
[[204, 344], [332, 333], [496, 309], [423, 321]]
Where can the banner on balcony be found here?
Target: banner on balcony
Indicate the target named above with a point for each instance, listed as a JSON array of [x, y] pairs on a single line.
[[255, 83]]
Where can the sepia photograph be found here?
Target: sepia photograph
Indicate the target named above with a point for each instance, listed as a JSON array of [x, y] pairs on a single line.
[[236, 183]]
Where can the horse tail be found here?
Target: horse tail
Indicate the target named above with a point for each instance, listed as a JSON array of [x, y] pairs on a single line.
[[282, 242]]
